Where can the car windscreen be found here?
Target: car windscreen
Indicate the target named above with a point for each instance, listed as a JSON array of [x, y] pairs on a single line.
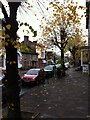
[[32, 72], [48, 68]]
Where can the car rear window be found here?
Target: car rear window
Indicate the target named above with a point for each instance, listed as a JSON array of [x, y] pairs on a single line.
[[32, 72], [48, 68]]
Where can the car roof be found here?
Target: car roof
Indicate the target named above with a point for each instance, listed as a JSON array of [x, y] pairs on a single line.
[[49, 66], [35, 69]]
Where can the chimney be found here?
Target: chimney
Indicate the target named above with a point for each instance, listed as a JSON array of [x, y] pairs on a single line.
[[35, 43], [26, 38]]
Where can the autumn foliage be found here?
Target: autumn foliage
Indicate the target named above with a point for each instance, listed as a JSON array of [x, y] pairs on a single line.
[[63, 24]]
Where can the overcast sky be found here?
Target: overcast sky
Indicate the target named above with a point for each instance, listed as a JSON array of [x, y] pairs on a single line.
[[33, 16], [35, 20]]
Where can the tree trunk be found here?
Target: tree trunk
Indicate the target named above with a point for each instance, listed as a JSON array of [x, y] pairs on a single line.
[[73, 52], [62, 61], [13, 100], [62, 51], [74, 59]]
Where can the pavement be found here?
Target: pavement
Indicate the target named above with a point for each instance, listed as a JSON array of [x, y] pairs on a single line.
[[65, 97]]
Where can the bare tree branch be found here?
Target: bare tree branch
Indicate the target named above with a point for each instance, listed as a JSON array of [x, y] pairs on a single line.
[[4, 11]]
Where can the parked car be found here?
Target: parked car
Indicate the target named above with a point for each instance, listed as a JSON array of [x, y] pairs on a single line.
[[67, 65], [33, 77], [58, 65], [49, 70]]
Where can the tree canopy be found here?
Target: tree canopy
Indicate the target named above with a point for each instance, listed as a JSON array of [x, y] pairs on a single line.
[[65, 17]]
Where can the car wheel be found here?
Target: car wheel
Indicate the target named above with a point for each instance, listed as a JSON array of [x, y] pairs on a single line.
[[43, 80]]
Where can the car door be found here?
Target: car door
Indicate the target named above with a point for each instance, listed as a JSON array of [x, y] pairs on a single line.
[[40, 75]]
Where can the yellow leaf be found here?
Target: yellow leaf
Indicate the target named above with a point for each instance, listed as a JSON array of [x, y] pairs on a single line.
[[6, 43], [8, 26], [10, 62], [7, 36], [12, 108], [6, 80], [15, 46], [14, 62], [49, 29], [12, 104]]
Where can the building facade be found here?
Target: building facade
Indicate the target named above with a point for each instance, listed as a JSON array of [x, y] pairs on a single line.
[[88, 27], [85, 50], [29, 58]]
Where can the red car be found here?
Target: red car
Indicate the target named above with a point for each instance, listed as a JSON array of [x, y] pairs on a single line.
[[33, 76]]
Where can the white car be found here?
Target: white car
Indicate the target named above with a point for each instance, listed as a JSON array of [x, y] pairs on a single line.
[[67, 65]]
